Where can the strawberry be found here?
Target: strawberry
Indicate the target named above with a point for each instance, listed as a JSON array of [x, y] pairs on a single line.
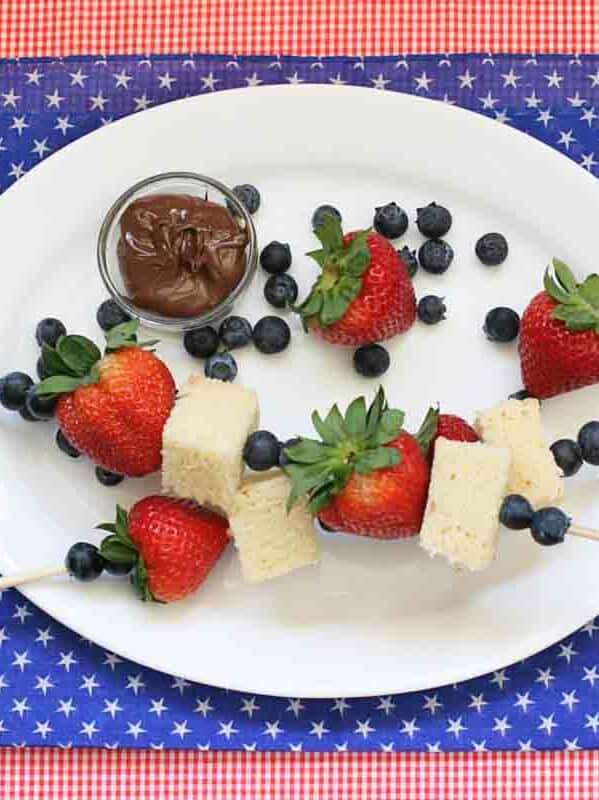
[[111, 408], [449, 426], [559, 334], [365, 475], [172, 544], [364, 293]]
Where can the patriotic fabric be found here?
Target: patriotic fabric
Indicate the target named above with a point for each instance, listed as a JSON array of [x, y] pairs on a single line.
[[57, 690]]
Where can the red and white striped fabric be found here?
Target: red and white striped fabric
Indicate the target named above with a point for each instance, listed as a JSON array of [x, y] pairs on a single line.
[[296, 27], [131, 775]]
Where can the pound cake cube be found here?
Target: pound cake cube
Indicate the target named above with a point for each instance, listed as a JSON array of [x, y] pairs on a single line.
[[468, 484], [203, 441], [270, 541], [517, 424]]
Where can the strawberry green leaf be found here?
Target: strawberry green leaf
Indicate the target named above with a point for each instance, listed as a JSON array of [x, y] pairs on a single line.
[[319, 256], [589, 291], [54, 364], [110, 527], [78, 353], [307, 451], [123, 335], [389, 427], [375, 411], [355, 417], [140, 581], [564, 275], [334, 423], [321, 429], [577, 304], [330, 234], [428, 429], [377, 459], [114, 550], [58, 384]]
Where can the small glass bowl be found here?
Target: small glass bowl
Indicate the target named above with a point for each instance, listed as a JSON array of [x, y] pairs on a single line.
[[172, 183]]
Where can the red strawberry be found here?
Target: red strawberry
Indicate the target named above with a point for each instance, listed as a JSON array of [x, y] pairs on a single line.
[[449, 426], [559, 335], [113, 409], [366, 475], [173, 545], [364, 294]]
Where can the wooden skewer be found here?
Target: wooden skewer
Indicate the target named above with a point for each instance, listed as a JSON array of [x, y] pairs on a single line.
[[28, 577], [584, 533]]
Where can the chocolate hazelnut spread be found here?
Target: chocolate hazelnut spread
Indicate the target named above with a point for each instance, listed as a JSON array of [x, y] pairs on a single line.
[[180, 255]]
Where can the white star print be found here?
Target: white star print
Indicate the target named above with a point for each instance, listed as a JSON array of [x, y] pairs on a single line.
[[466, 80], [554, 80], [43, 684], [510, 79], [386, 705], [545, 677], [204, 747], [567, 651], [588, 161], [448, 100], [121, 79], [66, 660], [590, 627], [594, 79], [63, 124], [359, 64], [158, 706], [189, 62], [296, 748], [4, 637], [363, 728], [591, 675], [532, 60], [114, 746], [78, 78], [203, 707], [499, 678], [43, 636], [43, 728], [337, 80], [569, 700], [20, 707], [488, 101], [250, 748], [21, 659], [341, 748], [111, 660], [135, 683], [431, 704], [180, 729], [455, 726], [532, 101], [434, 748], [3, 728], [89, 684], [592, 722], [445, 61], [166, 81], [98, 101], [141, 103], [54, 100], [145, 62], [380, 82], [253, 80], [66, 707], [501, 725], [409, 727], [17, 171], [296, 707], [526, 747], [388, 748], [576, 101], [272, 729], [21, 612], [545, 117], [209, 82], [422, 82], [135, 730], [480, 747], [576, 60], [227, 729], [501, 116], [566, 138], [572, 744], [523, 701], [478, 702], [489, 60], [180, 684], [318, 729], [106, 120], [111, 707], [547, 724], [3, 684], [249, 706], [10, 98], [34, 77], [88, 729], [294, 79]]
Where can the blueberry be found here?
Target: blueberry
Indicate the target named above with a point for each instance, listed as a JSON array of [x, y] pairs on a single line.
[[390, 221], [431, 309], [283, 457], [261, 451], [13, 390], [433, 221], [108, 478], [409, 259], [27, 416], [280, 290], [40, 406], [110, 314], [63, 444], [568, 456], [521, 394], [49, 331], [501, 325], [201, 342], [275, 258], [271, 335], [235, 332], [321, 212], [221, 367], [435, 255], [371, 360], [248, 196], [118, 567], [41, 369], [84, 562], [516, 512], [549, 526], [492, 249], [588, 441]]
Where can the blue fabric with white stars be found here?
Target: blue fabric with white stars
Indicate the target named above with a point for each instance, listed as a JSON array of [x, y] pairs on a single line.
[[57, 689]]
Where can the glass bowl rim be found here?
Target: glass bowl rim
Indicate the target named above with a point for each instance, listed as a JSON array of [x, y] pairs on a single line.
[[154, 319]]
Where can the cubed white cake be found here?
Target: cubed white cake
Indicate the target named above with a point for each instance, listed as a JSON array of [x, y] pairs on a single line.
[[203, 441], [270, 541], [517, 424], [468, 484]]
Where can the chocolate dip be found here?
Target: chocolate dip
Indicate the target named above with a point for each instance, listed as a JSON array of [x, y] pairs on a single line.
[[180, 255]]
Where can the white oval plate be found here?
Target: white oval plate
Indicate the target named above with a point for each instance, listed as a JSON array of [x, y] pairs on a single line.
[[374, 617]]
